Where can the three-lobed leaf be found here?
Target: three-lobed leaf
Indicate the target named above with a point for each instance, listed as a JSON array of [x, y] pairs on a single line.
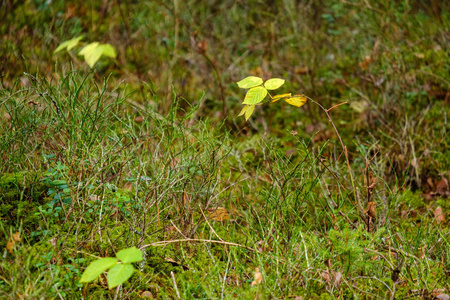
[[255, 95], [97, 267], [273, 83], [119, 274], [130, 255], [249, 82]]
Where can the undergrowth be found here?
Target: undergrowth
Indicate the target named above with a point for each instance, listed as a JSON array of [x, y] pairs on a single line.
[[145, 151]]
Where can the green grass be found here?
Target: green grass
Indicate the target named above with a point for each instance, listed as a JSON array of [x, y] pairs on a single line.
[[146, 150]]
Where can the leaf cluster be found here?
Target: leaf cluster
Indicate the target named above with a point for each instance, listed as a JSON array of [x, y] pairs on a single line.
[[119, 271], [258, 90], [91, 52]]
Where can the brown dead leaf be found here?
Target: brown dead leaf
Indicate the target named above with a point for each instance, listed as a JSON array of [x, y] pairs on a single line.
[[139, 119], [302, 71], [326, 276], [16, 237], [371, 209], [442, 187], [258, 277], [337, 278], [10, 246], [176, 264], [12, 241], [219, 214], [439, 215], [364, 64], [202, 46], [147, 294]]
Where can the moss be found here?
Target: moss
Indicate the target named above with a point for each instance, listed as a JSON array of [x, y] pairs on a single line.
[[20, 196]]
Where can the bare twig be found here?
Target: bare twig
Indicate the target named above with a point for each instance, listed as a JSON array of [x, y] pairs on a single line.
[[164, 243]]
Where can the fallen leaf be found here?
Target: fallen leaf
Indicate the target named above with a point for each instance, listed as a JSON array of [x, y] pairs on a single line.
[[139, 119], [442, 187], [10, 246], [326, 276], [12, 241], [16, 237], [219, 214], [176, 264], [258, 277], [443, 297], [337, 278], [147, 294], [371, 209], [364, 64], [439, 215]]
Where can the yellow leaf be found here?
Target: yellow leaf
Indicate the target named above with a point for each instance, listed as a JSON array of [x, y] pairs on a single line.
[[244, 109], [296, 100], [278, 97], [249, 111]]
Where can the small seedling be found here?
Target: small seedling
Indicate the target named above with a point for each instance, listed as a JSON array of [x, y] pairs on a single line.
[[91, 52], [258, 90], [119, 271]]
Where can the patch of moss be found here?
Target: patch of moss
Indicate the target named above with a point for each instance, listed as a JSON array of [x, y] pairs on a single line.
[[20, 196]]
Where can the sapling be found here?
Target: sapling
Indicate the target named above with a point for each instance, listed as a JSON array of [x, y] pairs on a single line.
[[91, 52], [258, 90], [120, 267]]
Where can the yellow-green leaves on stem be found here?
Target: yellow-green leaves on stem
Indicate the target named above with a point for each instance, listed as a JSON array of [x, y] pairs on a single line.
[[258, 90], [91, 52], [69, 44], [119, 272]]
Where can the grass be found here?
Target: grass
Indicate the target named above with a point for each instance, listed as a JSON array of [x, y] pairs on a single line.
[[146, 151]]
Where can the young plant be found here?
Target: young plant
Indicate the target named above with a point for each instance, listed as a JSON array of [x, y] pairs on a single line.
[[119, 272], [258, 90], [91, 52]]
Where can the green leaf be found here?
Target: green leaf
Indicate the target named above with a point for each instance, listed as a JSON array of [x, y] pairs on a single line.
[[130, 255], [69, 44], [249, 82], [91, 53], [119, 274], [59, 182], [249, 112], [96, 268], [274, 83], [255, 95], [108, 50]]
